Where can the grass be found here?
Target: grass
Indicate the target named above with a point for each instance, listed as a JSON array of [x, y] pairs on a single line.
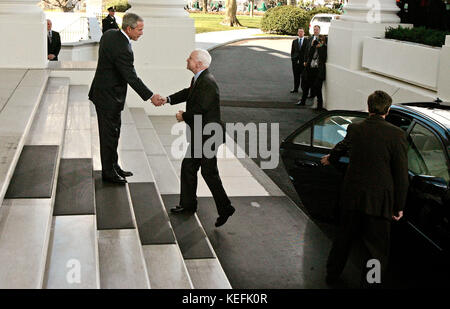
[[211, 22]]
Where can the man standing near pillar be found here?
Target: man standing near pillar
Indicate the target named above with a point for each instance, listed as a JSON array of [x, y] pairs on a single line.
[[115, 70], [109, 22], [298, 58], [53, 42]]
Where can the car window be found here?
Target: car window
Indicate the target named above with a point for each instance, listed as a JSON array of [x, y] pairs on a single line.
[[425, 154], [331, 130], [303, 137], [323, 19], [399, 120]]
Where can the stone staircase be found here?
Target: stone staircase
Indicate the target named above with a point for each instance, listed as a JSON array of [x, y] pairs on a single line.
[[61, 226]]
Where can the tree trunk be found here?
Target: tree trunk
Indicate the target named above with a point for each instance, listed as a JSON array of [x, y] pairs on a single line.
[[290, 2], [252, 8], [205, 6], [230, 15]]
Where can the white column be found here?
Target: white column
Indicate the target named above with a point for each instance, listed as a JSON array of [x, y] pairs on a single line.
[[371, 11], [23, 31], [344, 88], [443, 90], [361, 18], [161, 53]]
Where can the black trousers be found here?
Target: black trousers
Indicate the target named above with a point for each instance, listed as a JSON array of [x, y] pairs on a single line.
[[314, 83], [210, 173], [297, 69], [374, 233], [109, 132]]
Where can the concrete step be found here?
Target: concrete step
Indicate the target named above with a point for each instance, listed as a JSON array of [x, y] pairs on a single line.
[[204, 273], [121, 256], [165, 264], [20, 95], [77, 142], [25, 224], [73, 249]]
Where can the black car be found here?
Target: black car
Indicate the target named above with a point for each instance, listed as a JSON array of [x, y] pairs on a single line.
[[427, 212]]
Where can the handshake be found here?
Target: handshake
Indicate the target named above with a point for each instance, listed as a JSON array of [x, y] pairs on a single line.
[[158, 100]]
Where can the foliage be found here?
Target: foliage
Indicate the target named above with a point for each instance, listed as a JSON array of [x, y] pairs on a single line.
[[420, 35], [287, 19], [119, 5]]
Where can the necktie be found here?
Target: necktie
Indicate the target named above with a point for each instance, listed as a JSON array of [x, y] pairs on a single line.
[[300, 42], [50, 36]]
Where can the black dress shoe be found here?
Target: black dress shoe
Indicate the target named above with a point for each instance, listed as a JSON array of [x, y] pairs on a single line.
[[122, 173], [300, 103], [115, 178], [294, 91], [221, 220], [180, 209]]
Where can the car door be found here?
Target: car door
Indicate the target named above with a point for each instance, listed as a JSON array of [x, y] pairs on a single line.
[[428, 204], [318, 186]]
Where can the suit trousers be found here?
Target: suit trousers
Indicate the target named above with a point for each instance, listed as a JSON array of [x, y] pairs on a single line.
[[375, 235], [210, 173], [297, 69], [109, 131]]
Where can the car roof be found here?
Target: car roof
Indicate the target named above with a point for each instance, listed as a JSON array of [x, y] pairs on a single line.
[[325, 15], [439, 112]]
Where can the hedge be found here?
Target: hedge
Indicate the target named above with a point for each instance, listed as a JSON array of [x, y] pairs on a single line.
[[420, 35], [287, 19]]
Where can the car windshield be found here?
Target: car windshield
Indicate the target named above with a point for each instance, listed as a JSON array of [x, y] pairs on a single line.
[[323, 19]]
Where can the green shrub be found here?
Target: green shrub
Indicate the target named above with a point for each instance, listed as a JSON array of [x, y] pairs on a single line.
[[420, 35], [284, 20], [287, 19], [119, 5]]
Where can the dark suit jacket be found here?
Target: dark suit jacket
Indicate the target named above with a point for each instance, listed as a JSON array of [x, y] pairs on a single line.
[[297, 53], [376, 181], [308, 46], [109, 23], [203, 99], [55, 46], [322, 54], [115, 70]]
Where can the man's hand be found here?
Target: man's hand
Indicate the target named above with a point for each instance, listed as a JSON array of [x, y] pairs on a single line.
[[179, 116], [51, 57], [304, 64], [158, 100], [325, 160], [400, 215]]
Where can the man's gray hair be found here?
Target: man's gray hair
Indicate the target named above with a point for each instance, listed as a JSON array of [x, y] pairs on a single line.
[[130, 19], [203, 57]]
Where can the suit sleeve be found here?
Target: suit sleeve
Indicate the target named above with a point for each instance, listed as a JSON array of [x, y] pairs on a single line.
[[180, 96], [204, 102], [343, 147], [124, 64], [57, 44], [399, 168], [292, 50]]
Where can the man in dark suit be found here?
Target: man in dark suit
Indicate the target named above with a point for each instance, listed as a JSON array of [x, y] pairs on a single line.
[[202, 108], [53, 42], [315, 72], [109, 22], [375, 185], [297, 57], [115, 70]]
